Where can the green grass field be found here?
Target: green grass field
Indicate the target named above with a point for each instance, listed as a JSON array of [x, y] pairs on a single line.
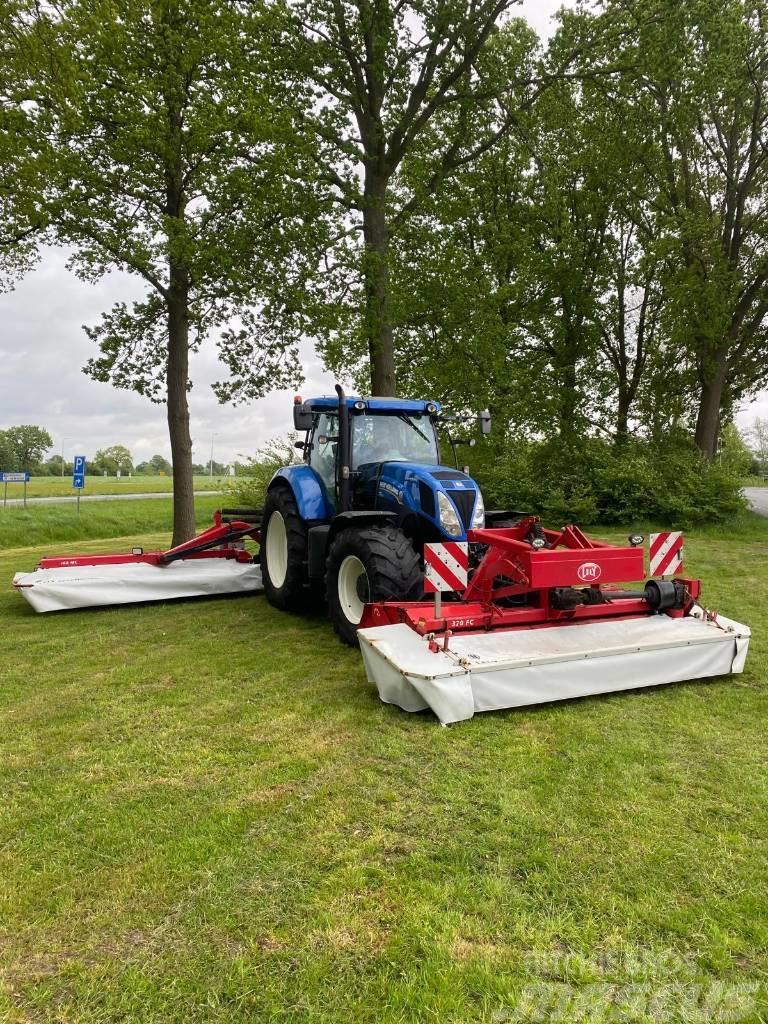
[[208, 815], [52, 524], [61, 487]]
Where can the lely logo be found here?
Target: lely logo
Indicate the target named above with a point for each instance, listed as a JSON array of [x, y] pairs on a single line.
[[588, 572]]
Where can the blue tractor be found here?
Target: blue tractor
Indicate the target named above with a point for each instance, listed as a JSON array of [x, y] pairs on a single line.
[[355, 515]]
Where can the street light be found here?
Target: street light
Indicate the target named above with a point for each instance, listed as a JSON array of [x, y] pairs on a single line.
[[210, 465], [68, 437]]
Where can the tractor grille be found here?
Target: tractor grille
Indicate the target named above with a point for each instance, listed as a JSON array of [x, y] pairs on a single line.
[[465, 503]]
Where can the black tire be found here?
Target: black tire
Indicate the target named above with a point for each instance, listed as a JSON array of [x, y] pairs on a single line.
[[288, 593], [392, 573]]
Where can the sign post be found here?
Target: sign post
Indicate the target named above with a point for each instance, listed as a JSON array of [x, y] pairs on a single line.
[[78, 477], [14, 478]]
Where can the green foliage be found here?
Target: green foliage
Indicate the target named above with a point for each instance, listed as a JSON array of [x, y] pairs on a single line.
[[249, 488], [158, 465], [758, 438], [735, 454], [23, 447], [180, 176], [615, 269], [117, 457], [628, 484], [7, 455], [395, 99]]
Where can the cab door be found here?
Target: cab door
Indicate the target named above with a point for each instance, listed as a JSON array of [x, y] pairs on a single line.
[[323, 454]]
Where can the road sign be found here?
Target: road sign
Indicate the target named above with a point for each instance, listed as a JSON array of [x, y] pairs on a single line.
[[78, 472], [13, 478]]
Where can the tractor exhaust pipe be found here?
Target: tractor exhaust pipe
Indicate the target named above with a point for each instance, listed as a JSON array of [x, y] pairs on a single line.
[[344, 496]]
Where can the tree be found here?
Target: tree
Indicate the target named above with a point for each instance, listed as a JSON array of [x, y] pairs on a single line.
[[159, 464], [400, 97], [734, 452], [165, 156], [7, 457], [21, 218], [699, 85], [758, 437], [112, 459], [529, 232], [25, 446]]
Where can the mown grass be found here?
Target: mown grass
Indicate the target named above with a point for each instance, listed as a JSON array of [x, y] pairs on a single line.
[[53, 524], [209, 816], [56, 486]]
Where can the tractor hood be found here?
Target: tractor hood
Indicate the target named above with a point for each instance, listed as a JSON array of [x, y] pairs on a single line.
[[412, 488]]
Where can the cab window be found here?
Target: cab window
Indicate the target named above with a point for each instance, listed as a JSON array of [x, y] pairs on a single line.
[[393, 437], [322, 457]]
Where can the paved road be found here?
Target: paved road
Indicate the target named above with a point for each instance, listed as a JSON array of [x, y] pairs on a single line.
[[758, 499], [99, 497]]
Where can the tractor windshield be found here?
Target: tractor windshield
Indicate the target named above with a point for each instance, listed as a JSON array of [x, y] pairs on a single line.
[[393, 437]]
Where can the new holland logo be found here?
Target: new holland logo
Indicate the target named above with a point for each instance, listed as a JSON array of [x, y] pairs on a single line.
[[588, 572]]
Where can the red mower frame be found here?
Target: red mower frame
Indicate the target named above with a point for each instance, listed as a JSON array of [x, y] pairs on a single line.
[[225, 539], [542, 569]]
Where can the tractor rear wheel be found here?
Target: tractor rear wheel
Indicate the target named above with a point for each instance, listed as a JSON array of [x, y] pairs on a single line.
[[283, 551], [374, 564]]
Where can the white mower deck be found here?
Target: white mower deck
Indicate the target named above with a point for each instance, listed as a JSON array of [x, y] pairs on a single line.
[[87, 586], [504, 669]]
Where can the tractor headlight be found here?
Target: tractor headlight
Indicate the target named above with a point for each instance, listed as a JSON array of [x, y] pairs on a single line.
[[478, 517], [448, 518]]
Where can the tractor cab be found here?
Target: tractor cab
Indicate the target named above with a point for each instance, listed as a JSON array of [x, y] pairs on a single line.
[[379, 431]]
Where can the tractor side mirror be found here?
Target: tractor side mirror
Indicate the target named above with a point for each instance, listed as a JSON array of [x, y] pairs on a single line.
[[302, 416], [484, 419]]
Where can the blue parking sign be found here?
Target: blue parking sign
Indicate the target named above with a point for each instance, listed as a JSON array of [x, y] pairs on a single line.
[[78, 472]]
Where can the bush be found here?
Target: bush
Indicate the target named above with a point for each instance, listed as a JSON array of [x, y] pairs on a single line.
[[249, 488], [587, 482], [597, 482]]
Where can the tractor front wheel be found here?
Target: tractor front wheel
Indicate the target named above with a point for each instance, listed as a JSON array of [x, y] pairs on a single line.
[[283, 551], [374, 564]]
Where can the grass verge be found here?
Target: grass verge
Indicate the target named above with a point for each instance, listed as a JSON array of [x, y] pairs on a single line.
[[209, 816], [53, 524]]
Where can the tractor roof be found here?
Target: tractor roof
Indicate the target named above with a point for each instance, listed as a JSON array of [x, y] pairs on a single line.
[[375, 405]]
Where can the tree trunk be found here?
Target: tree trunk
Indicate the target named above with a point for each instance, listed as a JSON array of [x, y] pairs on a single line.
[[177, 298], [622, 414], [178, 406], [566, 369], [708, 418], [378, 323], [712, 375]]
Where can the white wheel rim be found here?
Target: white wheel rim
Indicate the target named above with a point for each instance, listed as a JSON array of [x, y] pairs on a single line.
[[277, 549], [349, 599]]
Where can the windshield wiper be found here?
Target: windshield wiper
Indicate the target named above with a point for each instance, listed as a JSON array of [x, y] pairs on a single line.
[[407, 419]]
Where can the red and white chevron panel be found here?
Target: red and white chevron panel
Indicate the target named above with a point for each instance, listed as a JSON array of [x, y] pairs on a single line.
[[666, 554], [446, 566]]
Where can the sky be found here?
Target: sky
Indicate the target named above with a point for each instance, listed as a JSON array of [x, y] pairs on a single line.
[[43, 349]]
